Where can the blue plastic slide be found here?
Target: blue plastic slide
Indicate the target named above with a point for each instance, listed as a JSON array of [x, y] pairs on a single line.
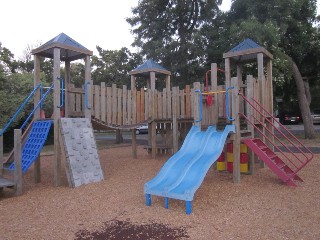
[[184, 172]]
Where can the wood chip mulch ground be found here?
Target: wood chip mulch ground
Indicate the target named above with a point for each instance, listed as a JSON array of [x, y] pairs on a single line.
[[260, 207]]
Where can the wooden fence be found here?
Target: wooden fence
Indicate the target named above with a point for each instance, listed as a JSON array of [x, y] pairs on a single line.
[[120, 106]]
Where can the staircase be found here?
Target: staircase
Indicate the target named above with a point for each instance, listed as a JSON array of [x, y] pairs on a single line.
[[273, 161], [291, 155]]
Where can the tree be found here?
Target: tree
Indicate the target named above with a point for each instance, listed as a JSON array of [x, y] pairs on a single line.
[[114, 66], [292, 39], [169, 32]]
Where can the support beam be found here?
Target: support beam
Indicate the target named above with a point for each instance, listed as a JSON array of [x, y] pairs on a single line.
[[214, 87], [87, 74], [237, 137], [168, 83], [36, 73], [56, 114], [133, 82], [17, 161], [134, 143], [152, 80], [252, 156], [67, 80]]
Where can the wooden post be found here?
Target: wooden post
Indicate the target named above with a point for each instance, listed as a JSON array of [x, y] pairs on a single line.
[[237, 136], [36, 115], [134, 143], [87, 73], [133, 82], [67, 81], [250, 116], [152, 126], [168, 85], [152, 80], [269, 101], [214, 87], [196, 86], [175, 139], [17, 161], [262, 99], [228, 78], [56, 113]]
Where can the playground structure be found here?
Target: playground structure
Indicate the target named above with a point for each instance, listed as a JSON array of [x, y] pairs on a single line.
[[244, 104]]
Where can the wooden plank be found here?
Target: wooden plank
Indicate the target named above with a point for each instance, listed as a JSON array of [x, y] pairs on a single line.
[[159, 106], [78, 103], [87, 77], [134, 106], [124, 105], [250, 92], [175, 97], [103, 102], [18, 161], [97, 102], [129, 107], [182, 104], [146, 104], [134, 143], [119, 108], [188, 99], [72, 100], [114, 104], [169, 103], [142, 102], [155, 105], [164, 103], [109, 105], [67, 80], [138, 106]]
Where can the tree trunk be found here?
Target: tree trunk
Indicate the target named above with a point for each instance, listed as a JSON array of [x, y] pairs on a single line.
[[309, 130]]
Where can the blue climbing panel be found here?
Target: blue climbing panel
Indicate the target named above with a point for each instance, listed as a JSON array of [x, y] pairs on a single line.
[[35, 141]]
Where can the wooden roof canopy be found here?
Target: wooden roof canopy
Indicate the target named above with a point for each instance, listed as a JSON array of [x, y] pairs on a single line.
[[149, 66], [246, 51], [70, 49]]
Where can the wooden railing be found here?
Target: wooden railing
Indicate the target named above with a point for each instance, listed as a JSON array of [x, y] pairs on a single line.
[[121, 106]]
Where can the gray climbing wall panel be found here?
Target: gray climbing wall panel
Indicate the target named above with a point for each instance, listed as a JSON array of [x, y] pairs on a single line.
[[83, 164]]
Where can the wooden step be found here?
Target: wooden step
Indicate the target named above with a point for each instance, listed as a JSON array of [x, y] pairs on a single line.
[[6, 183]]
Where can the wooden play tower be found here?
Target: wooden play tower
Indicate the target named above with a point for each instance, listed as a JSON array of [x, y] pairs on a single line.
[[61, 48]]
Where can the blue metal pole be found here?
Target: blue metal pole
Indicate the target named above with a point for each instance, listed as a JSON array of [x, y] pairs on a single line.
[[227, 104], [188, 207], [148, 199], [19, 109], [36, 107], [166, 202]]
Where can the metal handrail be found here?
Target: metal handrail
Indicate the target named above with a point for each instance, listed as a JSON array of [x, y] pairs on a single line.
[[20, 108], [62, 92], [227, 104], [281, 133], [200, 107], [299, 148], [38, 104], [86, 94]]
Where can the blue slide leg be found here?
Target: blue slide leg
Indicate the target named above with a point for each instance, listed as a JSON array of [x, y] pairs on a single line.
[[148, 199], [188, 207], [166, 202]]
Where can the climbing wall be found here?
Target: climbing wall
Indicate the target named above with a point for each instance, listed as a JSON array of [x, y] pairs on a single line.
[[83, 164]]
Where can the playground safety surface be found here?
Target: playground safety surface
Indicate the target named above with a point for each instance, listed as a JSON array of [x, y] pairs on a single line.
[[260, 207]]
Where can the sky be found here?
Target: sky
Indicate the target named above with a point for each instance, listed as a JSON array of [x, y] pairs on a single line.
[[91, 23]]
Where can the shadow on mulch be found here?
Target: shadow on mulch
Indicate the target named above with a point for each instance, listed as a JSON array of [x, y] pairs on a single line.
[[118, 230]]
